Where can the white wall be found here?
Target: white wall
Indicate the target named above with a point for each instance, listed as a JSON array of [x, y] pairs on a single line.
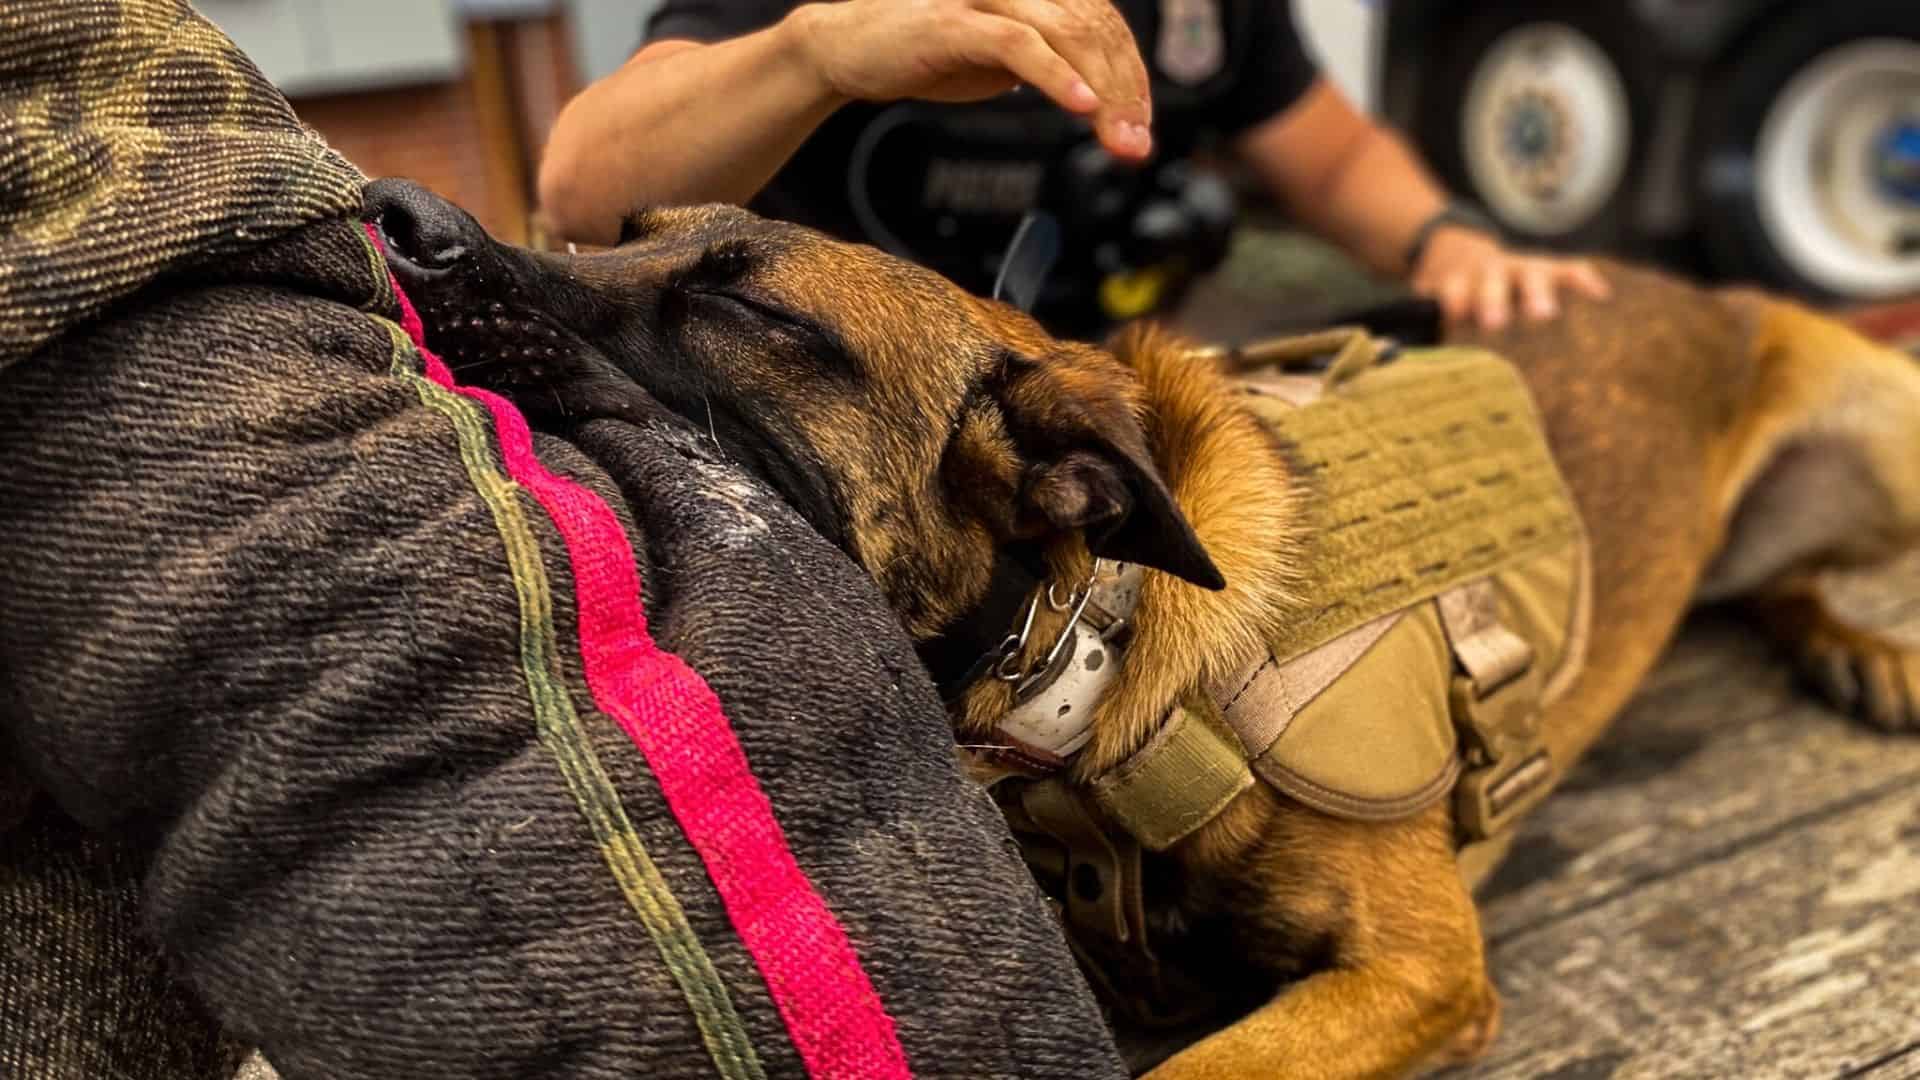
[[1344, 36], [605, 33], [310, 48]]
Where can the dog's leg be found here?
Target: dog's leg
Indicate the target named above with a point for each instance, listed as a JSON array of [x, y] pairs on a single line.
[[1821, 509], [1867, 671], [1832, 480], [1407, 981]]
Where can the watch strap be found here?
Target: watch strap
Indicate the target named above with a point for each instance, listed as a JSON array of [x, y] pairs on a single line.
[[1454, 213]]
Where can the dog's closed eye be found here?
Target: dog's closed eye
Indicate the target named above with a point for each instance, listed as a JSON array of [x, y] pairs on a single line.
[[716, 286], [718, 267], [804, 340]]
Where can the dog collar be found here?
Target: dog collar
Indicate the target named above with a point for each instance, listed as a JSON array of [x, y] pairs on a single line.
[[1054, 700], [1054, 704], [964, 651]]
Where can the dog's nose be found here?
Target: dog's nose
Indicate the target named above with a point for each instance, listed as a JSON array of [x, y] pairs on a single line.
[[420, 228]]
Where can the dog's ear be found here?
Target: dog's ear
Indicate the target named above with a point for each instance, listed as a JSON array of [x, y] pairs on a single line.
[[1074, 419], [1120, 502]]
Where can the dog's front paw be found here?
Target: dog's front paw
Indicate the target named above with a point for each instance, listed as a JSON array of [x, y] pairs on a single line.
[[1874, 679], [1869, 671], [1473, 1040]]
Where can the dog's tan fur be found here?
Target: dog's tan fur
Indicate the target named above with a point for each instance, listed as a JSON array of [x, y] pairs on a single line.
[[1407, 975], [1666, 409], [1694, 427], [1221, 467]]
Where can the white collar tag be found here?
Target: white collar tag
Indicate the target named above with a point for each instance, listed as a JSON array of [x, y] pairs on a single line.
[[1057, 714]]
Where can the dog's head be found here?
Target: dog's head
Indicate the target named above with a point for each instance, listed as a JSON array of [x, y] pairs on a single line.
[[924, 430]]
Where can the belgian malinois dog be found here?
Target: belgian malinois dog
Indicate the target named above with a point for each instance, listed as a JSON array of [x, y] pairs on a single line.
[[1720, 443]]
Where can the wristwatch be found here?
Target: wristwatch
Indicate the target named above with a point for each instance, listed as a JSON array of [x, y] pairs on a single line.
[[1454, 213]]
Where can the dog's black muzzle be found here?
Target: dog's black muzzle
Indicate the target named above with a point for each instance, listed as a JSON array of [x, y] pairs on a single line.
[[426, 236]]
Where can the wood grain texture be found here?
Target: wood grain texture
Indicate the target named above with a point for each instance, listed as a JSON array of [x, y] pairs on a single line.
[[1696, 770], [1728, 886], [1795, 956]]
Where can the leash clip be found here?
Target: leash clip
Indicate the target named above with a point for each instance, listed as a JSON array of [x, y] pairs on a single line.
[[1011, 645], [1008, 668]]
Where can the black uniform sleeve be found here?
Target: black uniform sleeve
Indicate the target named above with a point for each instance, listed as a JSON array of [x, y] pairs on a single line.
[[714, 20], [1274, 66]]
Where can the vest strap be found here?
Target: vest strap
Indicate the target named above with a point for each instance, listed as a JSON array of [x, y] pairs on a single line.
[[1185, 775], [1261, 699], [1495, 700], [1489, 652]]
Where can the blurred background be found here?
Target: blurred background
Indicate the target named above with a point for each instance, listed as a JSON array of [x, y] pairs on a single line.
[[1765, 140]]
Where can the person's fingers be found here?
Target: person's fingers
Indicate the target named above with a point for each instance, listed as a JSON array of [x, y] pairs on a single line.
[[1455, 293], [1584, 276], [1493, 299], [1129, 66], [997, 42], [1536, 291], [1091, 36]]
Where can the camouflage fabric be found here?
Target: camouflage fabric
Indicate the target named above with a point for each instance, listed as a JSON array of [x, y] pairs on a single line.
[[299, 660], [135, 139]]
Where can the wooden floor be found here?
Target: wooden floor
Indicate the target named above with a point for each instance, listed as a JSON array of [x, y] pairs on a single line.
[[1729, 886]]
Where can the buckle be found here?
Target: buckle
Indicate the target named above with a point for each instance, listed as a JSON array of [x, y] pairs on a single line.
[[1094, 881], [1508, 767]]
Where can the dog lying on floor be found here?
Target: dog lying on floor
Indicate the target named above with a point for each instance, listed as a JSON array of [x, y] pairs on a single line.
[[1718, 443]]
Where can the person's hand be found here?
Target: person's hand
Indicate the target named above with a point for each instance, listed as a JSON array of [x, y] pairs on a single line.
[[1476, 279], [1079, 53]]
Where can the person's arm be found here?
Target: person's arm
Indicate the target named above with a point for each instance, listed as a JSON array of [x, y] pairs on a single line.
[[1344, 177], [1360, 185], [656, 131], [687, 122]]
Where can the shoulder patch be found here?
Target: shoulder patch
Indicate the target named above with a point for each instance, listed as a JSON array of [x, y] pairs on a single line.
[[1192, 46]]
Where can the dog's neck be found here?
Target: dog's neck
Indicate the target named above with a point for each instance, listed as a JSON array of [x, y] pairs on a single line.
[[963, 652], [1235, 489]]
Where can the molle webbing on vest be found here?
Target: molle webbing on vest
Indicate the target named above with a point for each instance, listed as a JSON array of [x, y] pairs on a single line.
[[1423, 474]]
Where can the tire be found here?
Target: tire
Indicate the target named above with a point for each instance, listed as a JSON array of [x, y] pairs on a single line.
[[1807, 174], [1539, 112]]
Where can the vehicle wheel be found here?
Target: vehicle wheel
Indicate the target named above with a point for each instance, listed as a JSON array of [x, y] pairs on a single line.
[[1809, 175], [1538, 113]]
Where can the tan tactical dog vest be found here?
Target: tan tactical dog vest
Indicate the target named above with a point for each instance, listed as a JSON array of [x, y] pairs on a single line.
[[1447, 572]]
